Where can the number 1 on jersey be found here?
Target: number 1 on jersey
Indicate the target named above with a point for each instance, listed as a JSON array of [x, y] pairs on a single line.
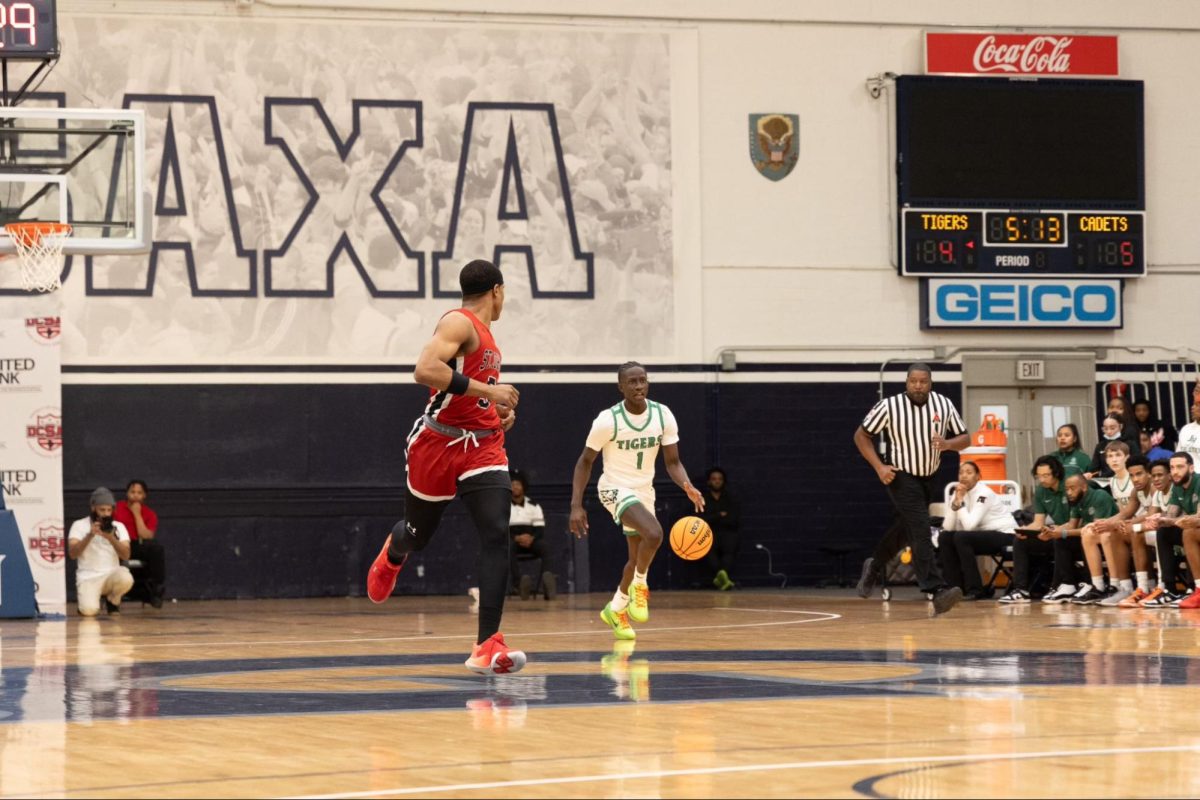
[[641, 457]]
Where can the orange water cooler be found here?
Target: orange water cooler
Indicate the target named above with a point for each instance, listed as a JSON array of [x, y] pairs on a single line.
[[989, 449]]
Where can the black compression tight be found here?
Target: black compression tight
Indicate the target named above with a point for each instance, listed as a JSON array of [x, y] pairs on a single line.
[[488, 497], [489, 503]]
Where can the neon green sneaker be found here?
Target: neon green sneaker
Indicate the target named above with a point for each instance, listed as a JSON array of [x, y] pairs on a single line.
[[619, 622], [639, 602]]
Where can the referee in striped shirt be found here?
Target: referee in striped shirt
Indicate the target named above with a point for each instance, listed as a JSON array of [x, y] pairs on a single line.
[[918, 423]]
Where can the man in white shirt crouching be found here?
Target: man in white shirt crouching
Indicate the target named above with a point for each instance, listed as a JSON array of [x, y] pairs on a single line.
[[976, 523], [99, 544]]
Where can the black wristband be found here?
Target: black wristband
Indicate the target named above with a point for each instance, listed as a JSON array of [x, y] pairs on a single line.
[[459, 383]]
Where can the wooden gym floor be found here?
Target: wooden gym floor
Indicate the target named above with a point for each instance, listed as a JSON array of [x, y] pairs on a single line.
[[752, 694]]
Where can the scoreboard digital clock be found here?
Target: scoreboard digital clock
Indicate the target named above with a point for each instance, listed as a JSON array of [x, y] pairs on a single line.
[[28, 29], [1000, 178], [986, 243]]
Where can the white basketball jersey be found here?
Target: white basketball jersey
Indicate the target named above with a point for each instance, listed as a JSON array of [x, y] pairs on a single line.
[[630, 442]]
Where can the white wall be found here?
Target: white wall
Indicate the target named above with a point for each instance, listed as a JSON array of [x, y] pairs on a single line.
[[807, 262], [809, 259]]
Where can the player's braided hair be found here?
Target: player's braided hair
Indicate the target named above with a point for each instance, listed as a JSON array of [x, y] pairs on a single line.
[[628, 365]]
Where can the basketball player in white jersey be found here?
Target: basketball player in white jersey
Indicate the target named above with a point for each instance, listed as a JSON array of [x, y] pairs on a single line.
[[630, 435]]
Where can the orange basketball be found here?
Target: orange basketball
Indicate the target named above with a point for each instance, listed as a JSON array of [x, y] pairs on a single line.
[[691, 538]]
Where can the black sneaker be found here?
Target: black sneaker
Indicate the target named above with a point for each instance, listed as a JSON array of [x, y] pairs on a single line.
[[525, 587], [1090, 597], [869, 579], [946, 598], [1015, 597], [113, 609], [549, 586]]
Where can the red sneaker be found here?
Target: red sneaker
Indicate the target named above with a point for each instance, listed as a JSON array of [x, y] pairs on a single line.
[[381, 580], [494, 656], [1191, 601]]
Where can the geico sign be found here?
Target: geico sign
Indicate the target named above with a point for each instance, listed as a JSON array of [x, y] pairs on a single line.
[[1036, 303]]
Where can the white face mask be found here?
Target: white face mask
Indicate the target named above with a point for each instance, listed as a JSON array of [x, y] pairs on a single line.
[[1112, 438]]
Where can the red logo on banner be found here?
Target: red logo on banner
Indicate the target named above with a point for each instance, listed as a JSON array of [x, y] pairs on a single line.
[[1019, 54], [49, 542], [45, 328], [45, 431]]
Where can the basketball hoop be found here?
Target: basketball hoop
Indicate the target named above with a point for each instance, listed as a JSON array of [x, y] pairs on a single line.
[[40, 249]]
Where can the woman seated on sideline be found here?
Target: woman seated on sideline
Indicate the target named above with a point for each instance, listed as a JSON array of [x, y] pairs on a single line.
[[976, 523]]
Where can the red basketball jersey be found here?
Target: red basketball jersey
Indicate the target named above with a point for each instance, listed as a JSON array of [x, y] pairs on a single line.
[[483, 365]]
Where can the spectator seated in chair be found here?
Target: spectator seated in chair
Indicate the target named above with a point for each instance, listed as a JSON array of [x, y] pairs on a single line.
[[1148, 480], [527, 529], [1162, 434], [1069, 452], [99, 543], [1102, 541], [1120, 407], [976, 523], [1189, 435], [1110, 431], [142, 523], [1177, 526], [1043, 538], [1150, 450]]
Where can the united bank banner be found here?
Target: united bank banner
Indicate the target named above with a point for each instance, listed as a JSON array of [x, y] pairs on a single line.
[[31, 448], [317, 186]]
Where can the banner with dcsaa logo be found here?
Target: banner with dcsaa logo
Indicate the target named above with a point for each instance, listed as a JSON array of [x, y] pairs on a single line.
[[31, 471]]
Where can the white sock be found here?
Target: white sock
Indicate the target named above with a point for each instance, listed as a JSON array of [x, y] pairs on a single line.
[[1143, 582], [1197, 582], [638, 577], [1126, 585], [620, 600], [1098, 582]]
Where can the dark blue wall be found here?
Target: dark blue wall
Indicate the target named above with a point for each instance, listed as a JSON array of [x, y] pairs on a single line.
[[288, 490]]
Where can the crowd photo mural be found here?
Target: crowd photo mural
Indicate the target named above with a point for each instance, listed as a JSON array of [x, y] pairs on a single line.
[[316, 188]]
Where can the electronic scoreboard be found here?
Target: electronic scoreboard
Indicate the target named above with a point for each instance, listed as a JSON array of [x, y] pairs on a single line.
[[1001, 177]]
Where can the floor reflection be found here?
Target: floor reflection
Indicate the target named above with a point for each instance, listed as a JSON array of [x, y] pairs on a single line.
[[107, 683]]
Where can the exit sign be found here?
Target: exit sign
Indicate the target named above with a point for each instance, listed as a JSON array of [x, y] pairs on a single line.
[[1029, 370]]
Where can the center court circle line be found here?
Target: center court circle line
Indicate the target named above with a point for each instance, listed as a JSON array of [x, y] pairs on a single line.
[[816, 616], [790, 765]]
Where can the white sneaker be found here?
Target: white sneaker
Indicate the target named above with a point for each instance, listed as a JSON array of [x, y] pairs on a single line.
[[1116, 597], [1016, 596], [1062, 594]]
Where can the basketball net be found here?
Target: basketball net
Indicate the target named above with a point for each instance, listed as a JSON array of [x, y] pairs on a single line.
[[40, 251]]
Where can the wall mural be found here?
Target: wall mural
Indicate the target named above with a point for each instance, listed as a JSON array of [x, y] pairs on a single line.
[[317, 186]]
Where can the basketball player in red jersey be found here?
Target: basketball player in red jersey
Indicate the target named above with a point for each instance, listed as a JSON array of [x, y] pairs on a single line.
[[457, 447]]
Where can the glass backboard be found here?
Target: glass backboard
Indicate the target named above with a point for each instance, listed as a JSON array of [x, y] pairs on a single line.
[[83, 167]]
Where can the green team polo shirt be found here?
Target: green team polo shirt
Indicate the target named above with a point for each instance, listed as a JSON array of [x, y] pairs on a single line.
[[1187, 499], [1053, 504], [1094, 505], [1076, 458]]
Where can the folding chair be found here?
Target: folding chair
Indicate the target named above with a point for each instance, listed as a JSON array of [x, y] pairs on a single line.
[[1009, 493]]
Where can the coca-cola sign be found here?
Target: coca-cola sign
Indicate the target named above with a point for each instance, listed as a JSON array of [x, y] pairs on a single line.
[[1004, 54]]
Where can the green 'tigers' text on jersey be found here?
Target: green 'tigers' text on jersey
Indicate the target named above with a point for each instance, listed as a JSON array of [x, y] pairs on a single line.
[[630, 442]]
